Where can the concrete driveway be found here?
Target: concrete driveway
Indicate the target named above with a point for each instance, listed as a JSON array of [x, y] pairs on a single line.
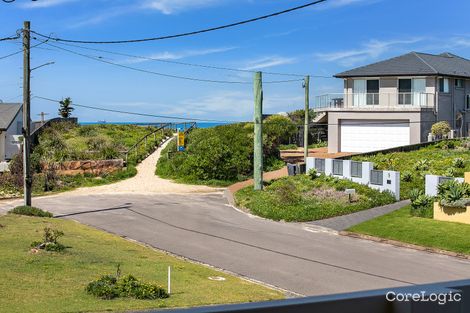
[[302, 258]]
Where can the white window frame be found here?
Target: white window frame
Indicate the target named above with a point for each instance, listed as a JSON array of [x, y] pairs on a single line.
[[445, 84]]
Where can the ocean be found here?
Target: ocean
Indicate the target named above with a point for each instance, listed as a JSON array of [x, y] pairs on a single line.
[[199, 124]]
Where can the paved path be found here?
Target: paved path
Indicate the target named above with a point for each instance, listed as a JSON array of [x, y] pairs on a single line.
[[297, 257], [344, 222]]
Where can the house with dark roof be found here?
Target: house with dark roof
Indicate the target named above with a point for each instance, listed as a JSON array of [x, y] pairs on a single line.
[[11, 124], [396, 101]]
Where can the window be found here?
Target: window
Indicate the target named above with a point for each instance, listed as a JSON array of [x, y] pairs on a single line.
[[338, 167], [443, 85], [376, 177], [459, 83], [320, 165], [356, 169], [372, 91], [404, 91], [443, 179], [467, 102]]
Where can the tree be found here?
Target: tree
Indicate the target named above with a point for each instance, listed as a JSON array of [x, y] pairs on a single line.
[[65, 109]]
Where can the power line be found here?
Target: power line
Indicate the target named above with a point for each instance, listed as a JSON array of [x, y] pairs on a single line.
[[187, 63], [100, 59], [137, 113], [191, 33], [13, 37], [20, 51]]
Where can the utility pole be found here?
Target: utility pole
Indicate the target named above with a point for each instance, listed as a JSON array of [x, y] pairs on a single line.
[[258, 120], [307, 118], [43, 115], [26, 113]]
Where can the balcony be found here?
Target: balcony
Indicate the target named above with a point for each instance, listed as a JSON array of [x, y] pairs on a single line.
[[363, 101]]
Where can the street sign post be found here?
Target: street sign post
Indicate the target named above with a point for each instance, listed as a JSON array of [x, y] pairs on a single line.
[[180, 143]]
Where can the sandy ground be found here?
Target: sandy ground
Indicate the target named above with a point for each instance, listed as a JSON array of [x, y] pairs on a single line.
[[145, 182]]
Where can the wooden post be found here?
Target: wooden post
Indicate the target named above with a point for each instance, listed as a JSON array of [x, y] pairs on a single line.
[[27, 113], [258, 132], [307, 122]]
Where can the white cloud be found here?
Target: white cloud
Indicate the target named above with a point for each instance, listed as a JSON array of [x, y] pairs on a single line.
[[270, 61], [166, 55], [174, 6], [370, 50], [44, 3]]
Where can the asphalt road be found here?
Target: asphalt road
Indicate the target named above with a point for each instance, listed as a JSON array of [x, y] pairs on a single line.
[[296, 257]]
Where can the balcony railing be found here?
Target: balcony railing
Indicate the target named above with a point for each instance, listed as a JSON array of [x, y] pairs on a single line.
[[395, 100]]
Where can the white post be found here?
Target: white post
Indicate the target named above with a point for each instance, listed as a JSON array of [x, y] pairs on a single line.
[[169, 280]]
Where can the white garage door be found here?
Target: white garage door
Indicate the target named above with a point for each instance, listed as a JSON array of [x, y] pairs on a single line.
[[373, 135]]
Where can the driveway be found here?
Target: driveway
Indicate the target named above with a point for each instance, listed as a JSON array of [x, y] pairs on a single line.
[[302, 258]]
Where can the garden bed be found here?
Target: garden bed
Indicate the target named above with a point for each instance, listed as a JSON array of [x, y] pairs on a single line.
[[447, 158], [299, 198], [33, 281]]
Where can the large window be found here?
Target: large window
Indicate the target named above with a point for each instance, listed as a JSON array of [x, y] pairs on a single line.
[[459, 83], [356, 169], [467, 102], [372, 91], [443, 85], [404, 91], [338, 167], [320, 165]]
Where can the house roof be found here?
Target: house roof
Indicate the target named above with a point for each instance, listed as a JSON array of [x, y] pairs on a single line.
[[8, 113], [414, 64]]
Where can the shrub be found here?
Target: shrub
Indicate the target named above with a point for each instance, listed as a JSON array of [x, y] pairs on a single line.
[[440, 129], [109, 287], [458, 163], [286, 192], [453, 194], [421, 205], [450, 172], [50, 241], [312, 173], [407, 176], [422, 165], [30, 211]]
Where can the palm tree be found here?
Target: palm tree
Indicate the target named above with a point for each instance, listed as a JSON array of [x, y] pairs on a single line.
[[65, 109]]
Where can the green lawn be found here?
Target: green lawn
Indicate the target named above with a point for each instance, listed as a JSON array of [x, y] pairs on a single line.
[[299, 198], [436, 159], [401, 226], [54, 282]]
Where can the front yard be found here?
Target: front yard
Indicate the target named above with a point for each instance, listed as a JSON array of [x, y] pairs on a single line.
[[50, 282], [300, 198], [446, 158], [402, 226]]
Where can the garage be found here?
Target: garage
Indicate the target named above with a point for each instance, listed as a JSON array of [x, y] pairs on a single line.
[[373, 135]]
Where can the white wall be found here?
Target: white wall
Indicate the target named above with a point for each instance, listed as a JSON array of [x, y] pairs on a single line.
[[12, 139], [432, 181], [391, 179], [2, 146]]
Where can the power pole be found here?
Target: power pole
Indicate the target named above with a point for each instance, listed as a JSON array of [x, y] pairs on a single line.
[[43, 115], [307, 122], [258, 120], [26, 113]]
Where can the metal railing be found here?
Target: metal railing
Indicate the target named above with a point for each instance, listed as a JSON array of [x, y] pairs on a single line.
[[449, 297], [392, 100], [144, 141]]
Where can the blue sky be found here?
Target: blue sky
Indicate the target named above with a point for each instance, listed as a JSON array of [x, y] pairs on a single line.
[[322, 40]]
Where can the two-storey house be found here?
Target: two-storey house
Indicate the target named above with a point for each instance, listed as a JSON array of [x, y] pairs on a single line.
[[11, 125], [395, 102]]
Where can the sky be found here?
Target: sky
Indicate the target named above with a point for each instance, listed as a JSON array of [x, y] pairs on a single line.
[[322, 40]]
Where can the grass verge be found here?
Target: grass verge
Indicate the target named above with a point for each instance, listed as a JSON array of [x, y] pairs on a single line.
[[299, 198], [55, 282], [400, 225]]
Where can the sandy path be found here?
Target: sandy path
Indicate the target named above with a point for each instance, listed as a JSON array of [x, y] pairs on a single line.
[[145, 182]]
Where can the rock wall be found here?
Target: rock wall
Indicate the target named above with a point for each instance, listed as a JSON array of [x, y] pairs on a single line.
[[95, 167]]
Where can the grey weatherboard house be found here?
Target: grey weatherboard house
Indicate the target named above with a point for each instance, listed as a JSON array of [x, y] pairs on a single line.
[[395, 102], [11, 125]]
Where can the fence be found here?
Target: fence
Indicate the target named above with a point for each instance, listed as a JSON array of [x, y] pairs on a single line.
[[432, 181], [359, 172], [448, 297], [149, 139]]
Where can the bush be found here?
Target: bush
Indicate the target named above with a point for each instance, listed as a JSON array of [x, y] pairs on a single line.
[[421, 205], [312, 173], [30, 211], [422, 165], [407, 176], [458, 163], [440, 129], [453, 194], [109, 287], [50, 241]]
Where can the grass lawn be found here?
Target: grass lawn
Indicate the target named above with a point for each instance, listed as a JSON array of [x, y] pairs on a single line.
[[54, 282], [299, 198], [437, 159], [401, 226]]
